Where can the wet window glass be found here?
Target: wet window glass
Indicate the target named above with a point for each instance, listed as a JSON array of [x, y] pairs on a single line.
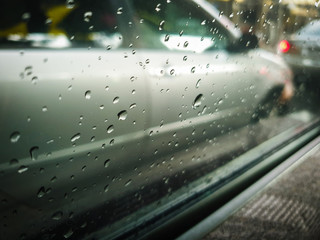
[[167, 25], [59, 24], [118, 115]]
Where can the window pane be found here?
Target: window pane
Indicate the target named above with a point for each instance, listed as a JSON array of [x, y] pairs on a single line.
[[117, 115], [167, 25]]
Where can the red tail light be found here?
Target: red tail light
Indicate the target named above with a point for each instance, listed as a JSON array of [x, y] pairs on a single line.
[[284, 46]]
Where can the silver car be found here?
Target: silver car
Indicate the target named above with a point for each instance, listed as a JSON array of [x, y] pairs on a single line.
[[92, 92]]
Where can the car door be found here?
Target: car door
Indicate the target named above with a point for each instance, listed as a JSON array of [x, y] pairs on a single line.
[[74, 108], [198, 90]]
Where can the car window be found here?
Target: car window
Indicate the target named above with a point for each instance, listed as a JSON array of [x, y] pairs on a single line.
[[120, 118], [166, 25], [57, 25]]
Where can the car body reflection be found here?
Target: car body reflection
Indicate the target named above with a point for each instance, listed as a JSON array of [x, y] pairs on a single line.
[[92, 119]]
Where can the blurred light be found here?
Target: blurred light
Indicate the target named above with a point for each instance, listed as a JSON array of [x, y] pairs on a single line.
[[284, 46]]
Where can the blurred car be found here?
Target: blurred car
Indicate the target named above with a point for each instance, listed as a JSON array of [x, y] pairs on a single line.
[[100, 88], [301, 51]]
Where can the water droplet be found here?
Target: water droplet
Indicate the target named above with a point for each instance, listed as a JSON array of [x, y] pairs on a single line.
[[116, 100], [193, 69], [106, 163], [204, 110], [147, 61], [22, 169], [133, 105], [197, 101], [54, 179], [220, 101], [172, 71], [68, 234], [161, 25], [41, 192], [34, 153], [128, 183], [101, 107], [57, 215], [106, 188], [185, 58], [50, 141], [75, 137], [166, 38], [83, 225], [198, 83], [158, 7], [70, 4], [120, 10], [48, 21], [87, 94], [34, 80], [110, 129], [203, 22], [87, 16], [28, 70], [186, 43], [122, 115], [181, 33], [44, 109], [26, 16], [15, 136]]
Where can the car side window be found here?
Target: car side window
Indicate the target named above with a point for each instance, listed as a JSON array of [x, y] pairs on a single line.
[[165, 25], [98, 27], [81, 24]]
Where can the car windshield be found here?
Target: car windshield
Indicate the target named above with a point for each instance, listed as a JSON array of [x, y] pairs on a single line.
[[120, 116]]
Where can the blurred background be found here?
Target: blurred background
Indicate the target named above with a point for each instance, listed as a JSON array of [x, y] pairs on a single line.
[[270, 19]]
